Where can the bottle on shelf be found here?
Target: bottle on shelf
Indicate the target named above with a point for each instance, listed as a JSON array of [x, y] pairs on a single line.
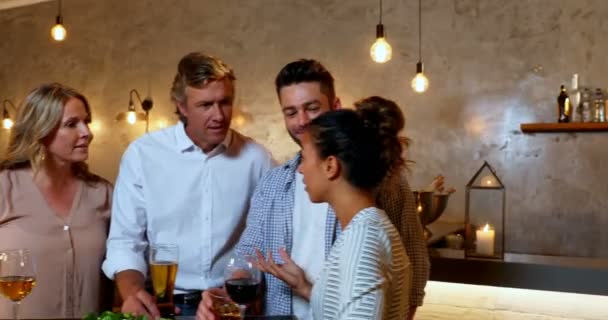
[[575, 100], [606, 104], [563, 105], [599, 114], [586, 102]]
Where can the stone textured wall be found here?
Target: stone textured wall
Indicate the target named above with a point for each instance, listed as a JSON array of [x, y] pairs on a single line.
[[492, 65]]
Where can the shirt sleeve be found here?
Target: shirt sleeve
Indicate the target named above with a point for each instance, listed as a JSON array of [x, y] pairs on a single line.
[[252, 237], [396, 198], [364, 282], [127, 241]]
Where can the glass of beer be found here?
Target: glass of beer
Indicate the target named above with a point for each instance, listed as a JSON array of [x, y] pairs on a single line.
[[17, 276], [163, 270]]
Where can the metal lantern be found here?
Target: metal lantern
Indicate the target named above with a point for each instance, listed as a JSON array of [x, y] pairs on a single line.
[[485, 215]]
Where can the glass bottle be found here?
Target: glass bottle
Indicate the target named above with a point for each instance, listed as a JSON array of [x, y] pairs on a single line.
[[605, 102], [586, 105], [575, 99], [599, 108], [563, 105]]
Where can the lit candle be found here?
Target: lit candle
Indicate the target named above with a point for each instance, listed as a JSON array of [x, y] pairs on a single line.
[[489, 181], [485, 241]]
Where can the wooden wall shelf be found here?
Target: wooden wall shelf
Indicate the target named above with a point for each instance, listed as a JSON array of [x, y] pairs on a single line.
[[564, 127]]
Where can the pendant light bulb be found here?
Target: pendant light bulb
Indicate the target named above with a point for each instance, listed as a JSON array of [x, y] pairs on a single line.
[[58, 32], [381, 50], [420, 83], [7, 123]]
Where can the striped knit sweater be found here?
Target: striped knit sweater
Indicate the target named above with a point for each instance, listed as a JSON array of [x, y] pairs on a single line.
[[367, 274]]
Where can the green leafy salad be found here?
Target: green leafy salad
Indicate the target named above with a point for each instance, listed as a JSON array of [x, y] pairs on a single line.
[[109, 315]]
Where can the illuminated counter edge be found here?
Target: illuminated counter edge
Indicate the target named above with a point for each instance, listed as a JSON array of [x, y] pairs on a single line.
[[520, 275]]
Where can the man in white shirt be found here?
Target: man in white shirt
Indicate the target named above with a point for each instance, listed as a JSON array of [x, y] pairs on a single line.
[[188, 185]]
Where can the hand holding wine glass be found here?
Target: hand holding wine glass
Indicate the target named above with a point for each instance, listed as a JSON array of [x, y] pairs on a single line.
[[17, 276], [242, 279]]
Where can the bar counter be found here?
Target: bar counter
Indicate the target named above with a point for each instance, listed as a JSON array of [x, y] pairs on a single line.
[[523, 275]]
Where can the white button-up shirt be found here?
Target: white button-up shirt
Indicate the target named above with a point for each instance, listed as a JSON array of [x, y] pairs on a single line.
[[169, 191]]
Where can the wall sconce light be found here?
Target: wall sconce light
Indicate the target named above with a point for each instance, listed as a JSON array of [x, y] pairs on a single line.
[[7, 122], [58, 32], [381, 50], [132, 115], [420, 82]]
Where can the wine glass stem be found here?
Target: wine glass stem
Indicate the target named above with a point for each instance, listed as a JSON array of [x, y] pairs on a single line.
[[16, 310], [243, 310]]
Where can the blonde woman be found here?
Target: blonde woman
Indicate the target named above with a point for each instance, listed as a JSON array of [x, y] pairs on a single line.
[[52, 205]]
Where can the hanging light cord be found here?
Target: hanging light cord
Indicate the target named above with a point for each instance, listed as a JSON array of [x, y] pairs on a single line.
[[59, 7], [380, 5], [420, 30]]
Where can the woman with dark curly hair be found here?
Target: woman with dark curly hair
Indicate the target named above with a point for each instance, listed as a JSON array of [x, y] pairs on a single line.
[[346, 155]]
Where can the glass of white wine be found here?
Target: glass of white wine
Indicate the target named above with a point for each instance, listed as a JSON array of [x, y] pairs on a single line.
[[17, 276]]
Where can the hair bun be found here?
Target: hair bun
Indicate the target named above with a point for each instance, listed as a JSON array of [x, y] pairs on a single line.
[[383, 119], [381, 115]]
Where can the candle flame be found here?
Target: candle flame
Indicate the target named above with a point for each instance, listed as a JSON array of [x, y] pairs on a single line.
[[486, 228], [489, 181]]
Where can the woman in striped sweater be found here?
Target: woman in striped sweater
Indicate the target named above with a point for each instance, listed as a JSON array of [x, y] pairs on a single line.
[[345, 156]]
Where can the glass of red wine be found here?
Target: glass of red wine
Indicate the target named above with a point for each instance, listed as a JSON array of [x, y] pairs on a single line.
[[242, 279]]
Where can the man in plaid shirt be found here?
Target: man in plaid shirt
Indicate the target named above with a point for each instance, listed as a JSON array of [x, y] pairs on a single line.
[[281, 215]]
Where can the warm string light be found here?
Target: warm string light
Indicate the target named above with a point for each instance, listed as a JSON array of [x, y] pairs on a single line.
[[7, 122], [58, 31], [420, 83], [381, 50]]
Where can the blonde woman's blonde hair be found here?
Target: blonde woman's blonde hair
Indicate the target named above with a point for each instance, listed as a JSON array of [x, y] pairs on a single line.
[[37, 117]]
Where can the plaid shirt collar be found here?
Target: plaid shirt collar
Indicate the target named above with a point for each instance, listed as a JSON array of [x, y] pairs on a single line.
[[291, 166]]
